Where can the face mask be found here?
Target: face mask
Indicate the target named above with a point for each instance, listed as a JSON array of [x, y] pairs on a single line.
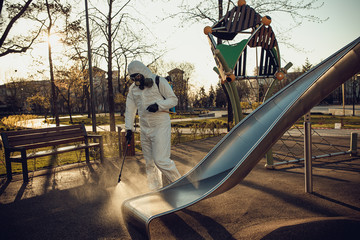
[[141, 81]]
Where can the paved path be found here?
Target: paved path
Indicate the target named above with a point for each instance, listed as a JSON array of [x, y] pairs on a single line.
[[72, 202]]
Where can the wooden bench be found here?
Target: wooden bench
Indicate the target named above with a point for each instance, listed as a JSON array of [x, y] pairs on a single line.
[[34, 139]]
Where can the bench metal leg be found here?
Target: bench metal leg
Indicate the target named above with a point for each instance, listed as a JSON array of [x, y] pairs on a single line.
[[24, 166], [8, 166], [87, 155], [101, 150], [101, 154], [25, 171]]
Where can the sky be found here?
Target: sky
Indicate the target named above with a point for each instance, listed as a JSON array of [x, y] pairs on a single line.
[[189, 44]]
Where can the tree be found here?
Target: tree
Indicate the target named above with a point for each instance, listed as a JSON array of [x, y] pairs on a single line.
[[180, 81], [16, 12], [14, 94], [49, 15], [109, 30], [220, 97], [201, 99], [69, 83], [243, 88], [120, 100], [18, 90], [39, 103], [75, 39], [212, 97], [54, 10], [307, 66], [129, 46]]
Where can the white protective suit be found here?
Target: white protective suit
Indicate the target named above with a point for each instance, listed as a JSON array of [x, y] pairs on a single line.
[[155, 128]]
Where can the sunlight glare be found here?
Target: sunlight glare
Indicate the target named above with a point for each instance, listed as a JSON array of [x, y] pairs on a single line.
[[54, 40]]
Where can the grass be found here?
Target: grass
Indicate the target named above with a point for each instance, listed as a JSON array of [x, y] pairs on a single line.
[[45, 162], [187, 124]]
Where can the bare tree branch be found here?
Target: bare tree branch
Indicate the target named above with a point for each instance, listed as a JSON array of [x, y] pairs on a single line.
[[13, 20]]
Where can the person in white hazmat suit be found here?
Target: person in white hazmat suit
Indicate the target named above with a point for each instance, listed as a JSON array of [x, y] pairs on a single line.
[[151, 102]]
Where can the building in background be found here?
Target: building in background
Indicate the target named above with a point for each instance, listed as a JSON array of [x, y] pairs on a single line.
[[180, 87]]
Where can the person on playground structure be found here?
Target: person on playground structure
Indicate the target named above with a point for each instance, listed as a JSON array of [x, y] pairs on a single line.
[[152, 103]]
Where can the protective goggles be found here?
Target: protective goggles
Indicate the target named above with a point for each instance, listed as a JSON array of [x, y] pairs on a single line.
[[141, 81], [136, 77]]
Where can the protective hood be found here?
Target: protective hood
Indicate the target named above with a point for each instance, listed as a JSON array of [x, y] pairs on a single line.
[[139, 67]]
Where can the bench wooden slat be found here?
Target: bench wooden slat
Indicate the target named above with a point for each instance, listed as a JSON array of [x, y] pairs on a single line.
[[51, 143], [55, 151], [47, 133], [41, 138], [39, 130], [27, 134]]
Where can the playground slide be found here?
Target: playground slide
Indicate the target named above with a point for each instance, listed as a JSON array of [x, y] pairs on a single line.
[[242, 148]]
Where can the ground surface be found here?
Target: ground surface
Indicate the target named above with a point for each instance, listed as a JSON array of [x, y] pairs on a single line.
[[75, 203]]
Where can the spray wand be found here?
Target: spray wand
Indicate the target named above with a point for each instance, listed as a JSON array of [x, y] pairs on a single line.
[[122, 165]]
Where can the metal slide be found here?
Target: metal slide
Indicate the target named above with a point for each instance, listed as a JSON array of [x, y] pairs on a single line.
[[243, 147]]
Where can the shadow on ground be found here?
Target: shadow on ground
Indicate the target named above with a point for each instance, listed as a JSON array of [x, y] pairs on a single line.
[[77, 203]]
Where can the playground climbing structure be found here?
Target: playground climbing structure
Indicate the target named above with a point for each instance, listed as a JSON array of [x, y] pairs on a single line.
[[232, 59]]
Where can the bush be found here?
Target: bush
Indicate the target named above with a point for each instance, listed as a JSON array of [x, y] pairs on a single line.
[[255, 105], [193, 129], [176, 135], [202, 129], [244, 105], [212, 127], [15, 122]]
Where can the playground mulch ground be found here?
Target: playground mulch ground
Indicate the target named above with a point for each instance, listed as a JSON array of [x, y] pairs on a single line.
[[72, 202]]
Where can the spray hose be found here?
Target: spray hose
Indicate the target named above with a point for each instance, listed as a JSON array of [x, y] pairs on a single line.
[[122, 165]]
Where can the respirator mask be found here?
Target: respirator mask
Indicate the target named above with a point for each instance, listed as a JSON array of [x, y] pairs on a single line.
[[141, 81]]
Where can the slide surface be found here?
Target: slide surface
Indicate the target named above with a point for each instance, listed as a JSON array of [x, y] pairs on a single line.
[[242, 148]]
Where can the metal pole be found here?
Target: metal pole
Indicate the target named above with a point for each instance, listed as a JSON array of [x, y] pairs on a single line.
[[92, 99], [343, 98], [269, 160], [308, 154], [353, 94], [353, 144]]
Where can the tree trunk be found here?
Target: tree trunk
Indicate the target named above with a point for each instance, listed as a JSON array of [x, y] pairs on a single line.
[[86, 101], [52, 78], [69, 106], [110, 83]]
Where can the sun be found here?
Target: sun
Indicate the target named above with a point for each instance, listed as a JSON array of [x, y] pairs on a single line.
[[54, 40]]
